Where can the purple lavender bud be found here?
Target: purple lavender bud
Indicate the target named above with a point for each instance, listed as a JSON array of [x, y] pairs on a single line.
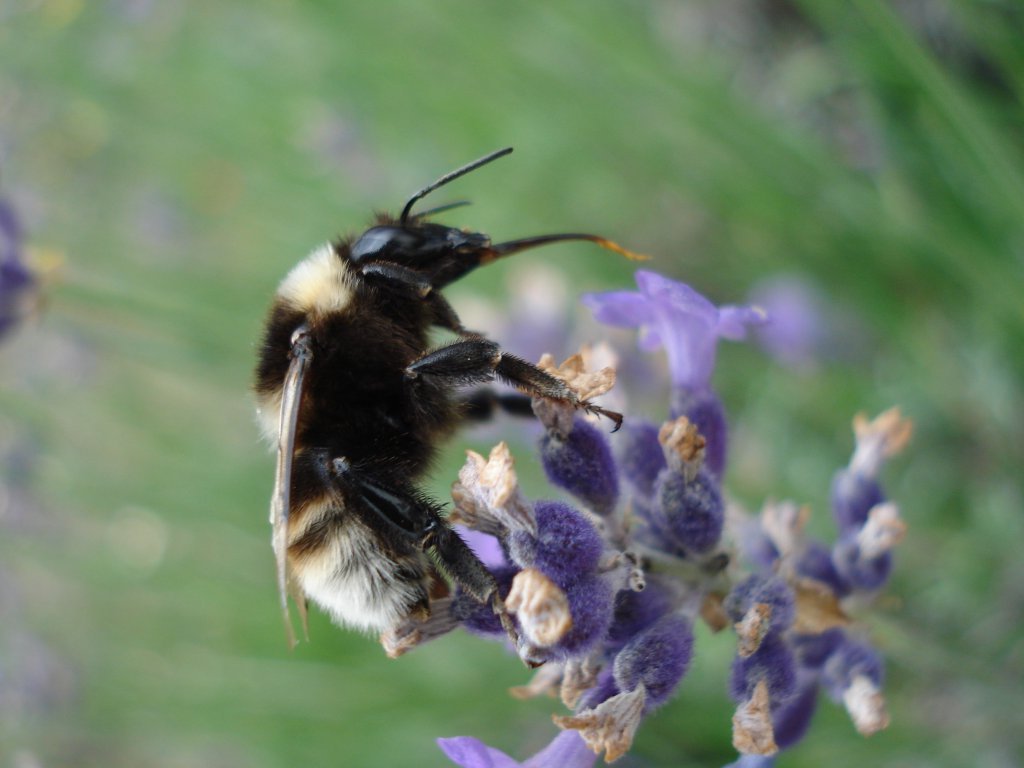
[[640, 455], [582, 464], [859, 571], [705, 410], [815, 562], [773, 662], [692, 511], [601, 691], [658, 658], [812, 651], [769, 590], [851, 659], [592, 605], [755, 545], [653, 530], [853, 496], [636, 611], [478, 617], [793, 717], [566, 546]]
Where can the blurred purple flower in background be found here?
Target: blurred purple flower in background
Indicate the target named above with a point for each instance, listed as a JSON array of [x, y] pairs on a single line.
[[797, 329], [17, 283], [606, 590]]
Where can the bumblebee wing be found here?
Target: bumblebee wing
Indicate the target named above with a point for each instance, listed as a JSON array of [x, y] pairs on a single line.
[[280, 502]]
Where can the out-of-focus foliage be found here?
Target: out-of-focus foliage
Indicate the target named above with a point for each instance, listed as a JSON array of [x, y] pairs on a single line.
[[180, 156]]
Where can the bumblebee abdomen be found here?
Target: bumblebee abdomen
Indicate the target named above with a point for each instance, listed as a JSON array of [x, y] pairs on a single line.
[[341, 565]]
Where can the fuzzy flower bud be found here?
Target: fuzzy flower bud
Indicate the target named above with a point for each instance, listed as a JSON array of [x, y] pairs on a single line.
[[773, 663], [564, 544], [853, 674], [760, 605], [792, 718], [582, 464], [657, 659], [640, 456], [855, 489], [691, 514], [636, 611], [705, 411], [857, 570]]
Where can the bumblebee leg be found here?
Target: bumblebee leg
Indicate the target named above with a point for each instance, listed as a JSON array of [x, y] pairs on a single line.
[[403, 512], [537, 383], [457, 559], [467, 361], [470, 361], [481, 404]]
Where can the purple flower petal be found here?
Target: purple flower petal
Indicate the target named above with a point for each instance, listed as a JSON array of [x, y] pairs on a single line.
[[484, 546], [566, 750], [734, 321], [623, 309], [473, 753], [673, 315]]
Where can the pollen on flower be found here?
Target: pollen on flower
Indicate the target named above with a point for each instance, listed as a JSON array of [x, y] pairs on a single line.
[[413, 631], [647, 512], [817, 607], [683, 444], [753, 628], [866, 705], [574, 372], [878, 439], [487, 496], [784, 522], [541, 607], [883, 530], [580, 676], [611, 725], [752, 732]]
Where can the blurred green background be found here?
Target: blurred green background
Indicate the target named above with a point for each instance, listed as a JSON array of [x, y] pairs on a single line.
[[180, 156]]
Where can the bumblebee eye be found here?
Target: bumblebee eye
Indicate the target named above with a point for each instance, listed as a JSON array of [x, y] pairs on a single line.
[[381, 241]]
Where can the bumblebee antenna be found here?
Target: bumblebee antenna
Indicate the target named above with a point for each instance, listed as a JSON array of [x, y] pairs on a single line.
[[450, 176]]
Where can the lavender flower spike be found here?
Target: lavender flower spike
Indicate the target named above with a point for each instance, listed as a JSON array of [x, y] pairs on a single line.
[[672, 315]]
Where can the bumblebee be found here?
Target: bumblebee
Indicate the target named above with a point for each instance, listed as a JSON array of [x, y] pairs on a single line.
[[357, 402]]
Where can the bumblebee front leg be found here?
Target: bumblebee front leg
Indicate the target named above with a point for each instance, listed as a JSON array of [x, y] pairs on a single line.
[[475, 360]]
